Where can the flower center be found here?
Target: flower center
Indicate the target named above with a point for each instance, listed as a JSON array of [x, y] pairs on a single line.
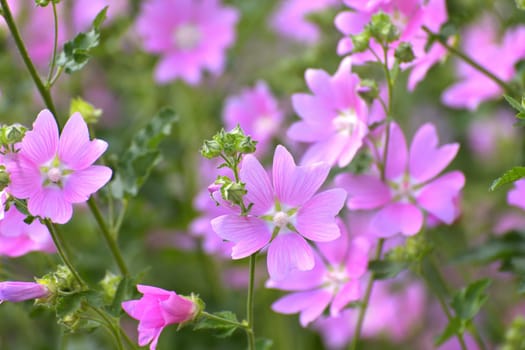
[[345, 122], [281, 219], [404, 189], [336, 276], [54, 174], [187, 36]]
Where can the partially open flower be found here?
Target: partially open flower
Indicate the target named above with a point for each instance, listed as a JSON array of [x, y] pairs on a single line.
[[19, 291]]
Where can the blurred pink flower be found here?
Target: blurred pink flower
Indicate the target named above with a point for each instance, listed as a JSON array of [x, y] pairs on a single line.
[[157, 309], [411, 186], [516, 196], [409, 16], [257, 112], [290, 19], [334, 280], [54, 173], [392, 311], [285, 212], [20, 291], [85, 11], [486, 134], [334, 118], [18, 238], [499, 56], [190, 35]]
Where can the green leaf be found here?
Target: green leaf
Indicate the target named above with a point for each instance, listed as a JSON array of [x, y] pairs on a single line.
[[136, 163], [76, 52], [223, 327], [263, 344], [468, 301], [455, 326], [514, 103], [511, 175], [508, 246], [126, 290], [384, 269]]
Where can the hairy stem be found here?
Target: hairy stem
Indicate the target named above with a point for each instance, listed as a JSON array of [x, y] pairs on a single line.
[[108, 236], [62, 251]]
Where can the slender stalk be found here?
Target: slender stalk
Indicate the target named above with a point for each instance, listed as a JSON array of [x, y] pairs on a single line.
[[218, 318], [55, 45], [111, 325], [366, 299], [108, 236], [505, 86], [46, 95], [249, 304], [62, 251]]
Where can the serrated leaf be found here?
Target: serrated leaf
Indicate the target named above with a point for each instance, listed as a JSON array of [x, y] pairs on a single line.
[[136, 163], [385, 269], [263, 344], [468, 301], [454, 327], [510, 176], [76, 52], [223, 328], [514, 103]]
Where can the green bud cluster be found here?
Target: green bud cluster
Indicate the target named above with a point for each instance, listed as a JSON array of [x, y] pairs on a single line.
[[230, 146], [44, 3], [380, 28], [404, 52], [4, 178], [515, 335], [11, 134], [109, 285], [60, 281], [415, 249]]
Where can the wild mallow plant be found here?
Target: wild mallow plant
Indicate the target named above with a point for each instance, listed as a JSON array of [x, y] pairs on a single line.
[[347, 214]]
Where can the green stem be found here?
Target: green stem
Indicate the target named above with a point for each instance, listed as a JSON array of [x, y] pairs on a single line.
[[249, 304], [440, 289], [46, 95], [108, 236], [505, 86], [55, 45], [111, 324], [62, 251], [224, 320], [366, 299]]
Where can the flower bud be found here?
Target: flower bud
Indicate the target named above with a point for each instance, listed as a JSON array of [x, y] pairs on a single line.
[[19, 291]]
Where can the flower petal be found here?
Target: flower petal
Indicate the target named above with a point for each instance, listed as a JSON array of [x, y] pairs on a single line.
[[316, 218], [364, 191], [397, 218], [288, 252], [258, 185], [247, 232], [311, 304], [40, 145], [294, 185], [351, 291], [426, 159], [51, 203], [83, 183]]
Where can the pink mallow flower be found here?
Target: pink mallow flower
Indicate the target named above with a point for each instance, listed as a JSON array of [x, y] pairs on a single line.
[[285, 212], [85, 11], [157, 309], [334, 280], [53, 173], [411, 186], [334, 118], [257, 112], [18, 238], [498, 55], [21, 291], [190, 35], [409, 16], [290, 20]]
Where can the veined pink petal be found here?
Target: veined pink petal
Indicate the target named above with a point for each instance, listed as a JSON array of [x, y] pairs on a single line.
[[258, 185], [130, 307], [319, 83], [316, 218], [249, 233], [426, 158], [50, 203], [336, 251], [25, 177], [83, 183], [295, 185], [311, 304], [176, 309], [438, 196], [155, 291], [73, 139], [327, 150], [364, 191], [301, 280], [397, 218], [311, 109], [397, 156], [288, 252], [350, 291], [41, 144]]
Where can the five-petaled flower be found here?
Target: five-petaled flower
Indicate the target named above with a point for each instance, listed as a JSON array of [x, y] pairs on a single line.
[[284, 212], [53, 173]]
